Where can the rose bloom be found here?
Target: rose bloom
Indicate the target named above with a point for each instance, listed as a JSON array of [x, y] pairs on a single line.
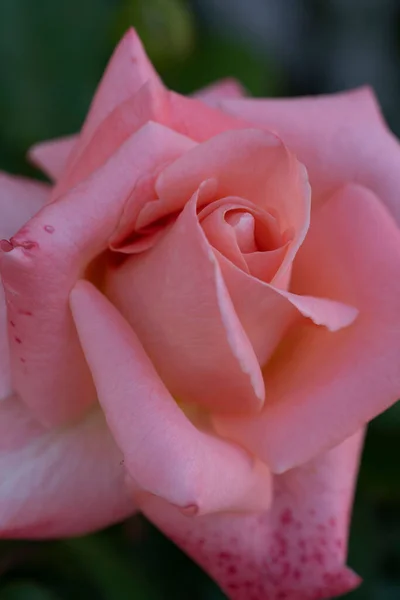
[[199, 317]]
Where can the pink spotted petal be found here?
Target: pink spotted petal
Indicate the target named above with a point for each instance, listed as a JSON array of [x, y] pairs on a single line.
[[163, 451], [20, 199], [61, 482], [295, 551], [49, 254], [324, 386]]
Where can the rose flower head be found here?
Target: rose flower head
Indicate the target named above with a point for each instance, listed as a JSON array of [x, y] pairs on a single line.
[[199, 317]]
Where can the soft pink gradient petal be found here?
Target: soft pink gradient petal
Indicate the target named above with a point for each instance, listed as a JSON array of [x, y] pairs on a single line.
[[50, 253], [148, 104], [128, 69], [295, 551], [20, 199], [232, 226], [341, 138], [266, 311], [323, 386], [175, 299], [51, 156], [61, 482], [248, 163], [223, 89], [163, 451], [5, 370], [152, 102]]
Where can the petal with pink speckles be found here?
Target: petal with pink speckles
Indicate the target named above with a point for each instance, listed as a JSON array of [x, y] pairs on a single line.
[[49, 254], [295, 551], [20, 199]]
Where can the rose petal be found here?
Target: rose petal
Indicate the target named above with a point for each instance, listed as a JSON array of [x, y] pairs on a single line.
[[49, 254], [295, 551], [224, 88], [235, 227], [340, 138], [58, 483], [247, 163], [322, 387], [52, 155], [164, 453], [128, 69], [175, 299], [267, 311], [148, 104], [20, 199]]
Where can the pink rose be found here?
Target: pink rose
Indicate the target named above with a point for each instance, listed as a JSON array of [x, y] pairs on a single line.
[[183, 330]]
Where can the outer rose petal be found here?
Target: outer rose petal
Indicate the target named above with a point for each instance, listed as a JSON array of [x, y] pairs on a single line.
[[151, 103], [20, 199], [163, 451], [128, 69], [340, 138], [266, 312], [5, 371], [295, 551], [220, 90], [58, 483], [50, 253], [175, 299], [322, 386], [52, 155]]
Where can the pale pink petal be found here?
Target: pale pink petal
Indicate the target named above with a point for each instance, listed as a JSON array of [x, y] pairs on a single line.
[[163, 451], [148, 104], [295, 551], [61, 482], [247, 235], [49, 254], [222, 89], [128, 69], [51, 156], [5, 371], [249, 163], [195, 119], [20, 199], [152, 102], [323, 386], [174, 297], [340, 138], [266, 311]]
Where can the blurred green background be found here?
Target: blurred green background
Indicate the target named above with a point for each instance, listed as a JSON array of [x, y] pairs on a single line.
[[52, 55]]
